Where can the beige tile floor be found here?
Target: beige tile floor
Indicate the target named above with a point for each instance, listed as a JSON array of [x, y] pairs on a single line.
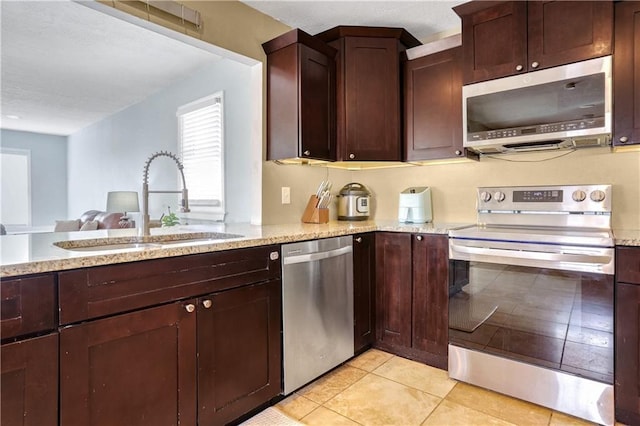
[[377, 388]]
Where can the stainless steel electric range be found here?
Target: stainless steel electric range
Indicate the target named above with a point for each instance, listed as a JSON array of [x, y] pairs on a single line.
[[532, 315]]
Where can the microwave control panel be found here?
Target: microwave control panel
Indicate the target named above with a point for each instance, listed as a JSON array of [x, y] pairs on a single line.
[[568, 126]]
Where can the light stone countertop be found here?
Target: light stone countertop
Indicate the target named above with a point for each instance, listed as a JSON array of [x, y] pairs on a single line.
[[23, 254], [627, 237]]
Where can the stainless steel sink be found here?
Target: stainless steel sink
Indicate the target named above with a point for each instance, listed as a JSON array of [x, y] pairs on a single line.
[[135, 243]]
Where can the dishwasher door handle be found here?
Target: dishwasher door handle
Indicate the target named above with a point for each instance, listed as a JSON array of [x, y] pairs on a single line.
[[303, 258]]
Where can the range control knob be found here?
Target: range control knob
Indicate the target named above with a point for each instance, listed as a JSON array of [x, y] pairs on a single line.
[[499, 196], [597, 195], [579, 195], [485, 196]]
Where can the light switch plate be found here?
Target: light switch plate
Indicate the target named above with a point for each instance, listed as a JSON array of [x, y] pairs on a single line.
[[286, 195]]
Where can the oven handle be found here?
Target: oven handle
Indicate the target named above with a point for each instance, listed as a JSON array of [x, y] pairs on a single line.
[[535, 255]]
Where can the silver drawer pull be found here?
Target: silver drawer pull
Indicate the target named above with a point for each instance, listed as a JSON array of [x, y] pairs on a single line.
[[207, 303], [190, 307]]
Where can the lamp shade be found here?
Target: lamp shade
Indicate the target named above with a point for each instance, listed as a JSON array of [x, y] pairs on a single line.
[[122, 201]]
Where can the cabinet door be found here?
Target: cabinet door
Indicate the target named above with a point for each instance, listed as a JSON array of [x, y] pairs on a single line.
[[393, 289], [132, 369], [494, 40], [561, 32], [626, 69], [239, 352], [430, 320], [370, 127], [364, 256], [317, 105], [28, 305], [29, 391], [433, 106], [627, 350], [301, 105]]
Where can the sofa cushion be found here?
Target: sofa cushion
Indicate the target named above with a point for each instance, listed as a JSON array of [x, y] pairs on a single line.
[[91, 225], [67, 225]]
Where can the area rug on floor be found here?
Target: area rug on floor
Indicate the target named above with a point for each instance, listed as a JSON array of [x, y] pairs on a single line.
[[271, 417]]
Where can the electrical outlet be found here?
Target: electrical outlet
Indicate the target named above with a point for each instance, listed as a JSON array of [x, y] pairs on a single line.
[[286, 195]]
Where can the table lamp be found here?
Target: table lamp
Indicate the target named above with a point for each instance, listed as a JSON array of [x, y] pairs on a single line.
[[123, 201]]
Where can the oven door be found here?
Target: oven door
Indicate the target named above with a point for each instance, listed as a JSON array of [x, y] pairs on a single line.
[[522, 323]]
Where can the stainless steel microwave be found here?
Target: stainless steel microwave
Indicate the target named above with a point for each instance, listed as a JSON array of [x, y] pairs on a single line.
[[568, 106]]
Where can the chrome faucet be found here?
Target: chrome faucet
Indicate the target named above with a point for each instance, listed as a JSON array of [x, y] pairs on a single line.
[[145, 189]]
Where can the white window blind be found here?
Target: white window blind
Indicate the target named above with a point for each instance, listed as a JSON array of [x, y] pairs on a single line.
[[200, 125]]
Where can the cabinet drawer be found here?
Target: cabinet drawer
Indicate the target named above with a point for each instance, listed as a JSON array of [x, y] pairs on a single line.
[[27, 305], [106, 290], [628, 265]]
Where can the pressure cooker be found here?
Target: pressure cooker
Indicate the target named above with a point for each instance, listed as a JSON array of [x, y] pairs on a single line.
[[354, 200]]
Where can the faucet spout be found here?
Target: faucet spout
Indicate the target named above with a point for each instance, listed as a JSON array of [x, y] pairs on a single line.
[[145, 189]]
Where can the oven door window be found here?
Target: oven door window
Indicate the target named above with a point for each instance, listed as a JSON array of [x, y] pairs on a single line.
[[555, 319]]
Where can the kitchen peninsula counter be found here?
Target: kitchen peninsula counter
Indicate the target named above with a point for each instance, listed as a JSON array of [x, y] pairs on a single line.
[[24, 254]]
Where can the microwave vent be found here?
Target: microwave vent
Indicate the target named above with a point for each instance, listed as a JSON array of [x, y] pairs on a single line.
[[589, 142]]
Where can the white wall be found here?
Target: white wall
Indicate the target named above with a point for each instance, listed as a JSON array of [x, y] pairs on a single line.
[[110, 155], [48, 173]]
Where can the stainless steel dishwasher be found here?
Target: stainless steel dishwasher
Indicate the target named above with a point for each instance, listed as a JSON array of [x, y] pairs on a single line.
[[317, 284]]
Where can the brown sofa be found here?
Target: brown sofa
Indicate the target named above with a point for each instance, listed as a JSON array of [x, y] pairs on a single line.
[[105, 220], [92, 220]]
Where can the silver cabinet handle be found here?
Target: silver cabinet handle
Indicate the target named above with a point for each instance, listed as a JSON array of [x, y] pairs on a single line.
[[601, 259], [307, 152], [419, 237], [190, 307], [458, 152], [535, 65], [311, 257], [624, 139], [352, 156], [519, 67], [207, 303], [358, 239]]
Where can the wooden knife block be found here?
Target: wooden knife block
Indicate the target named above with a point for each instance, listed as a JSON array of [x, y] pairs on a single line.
[[312, 214]]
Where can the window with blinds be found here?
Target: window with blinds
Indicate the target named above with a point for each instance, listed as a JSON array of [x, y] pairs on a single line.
[[200, 126]]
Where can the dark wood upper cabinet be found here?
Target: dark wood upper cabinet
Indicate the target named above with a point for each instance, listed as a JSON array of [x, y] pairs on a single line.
[[300, 98], [627, 335], [509, 37], [433, 106], [494, 39], [364, 261], [626, 74], [368, 91]]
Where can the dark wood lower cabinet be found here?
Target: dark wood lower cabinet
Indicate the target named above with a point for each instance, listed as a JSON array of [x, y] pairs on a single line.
[[239, 351], [131, 369], [430, 277], [363, 291], [412, 281], [29, 382], [393, 290], [627, 336], [203, 361]]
